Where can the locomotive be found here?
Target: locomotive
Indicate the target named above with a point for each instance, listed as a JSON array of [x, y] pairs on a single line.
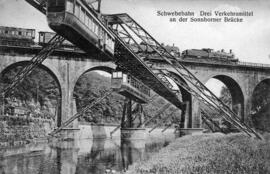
[[82, 25], [12, 36], [209, 53]]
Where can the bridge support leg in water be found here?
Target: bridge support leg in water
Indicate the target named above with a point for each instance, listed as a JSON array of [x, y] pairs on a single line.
[[132, 119], [71, 131]]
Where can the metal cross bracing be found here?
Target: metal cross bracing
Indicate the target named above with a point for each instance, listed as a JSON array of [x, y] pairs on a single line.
[[208, 124], [167, 127], [169, 115], [34, 62], [81, 113], [208, 119], [158, 113], [127, 24]]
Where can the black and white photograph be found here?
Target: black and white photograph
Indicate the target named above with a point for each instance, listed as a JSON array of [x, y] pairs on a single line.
[[134, 87]]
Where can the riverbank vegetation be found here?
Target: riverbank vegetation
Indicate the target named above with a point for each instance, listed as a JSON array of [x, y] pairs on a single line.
[[209, 154]]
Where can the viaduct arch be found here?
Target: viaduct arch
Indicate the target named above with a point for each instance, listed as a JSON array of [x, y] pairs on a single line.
[[235, 91]]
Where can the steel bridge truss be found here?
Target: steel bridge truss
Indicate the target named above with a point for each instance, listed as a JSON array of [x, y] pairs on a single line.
[[132, 33]]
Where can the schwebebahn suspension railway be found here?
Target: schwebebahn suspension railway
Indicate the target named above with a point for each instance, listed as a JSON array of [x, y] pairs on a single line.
[[121, 33]]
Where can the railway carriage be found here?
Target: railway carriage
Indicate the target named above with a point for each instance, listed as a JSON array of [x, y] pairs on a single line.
[[45, 37], [79, 23], [16, 36], [130, 87]]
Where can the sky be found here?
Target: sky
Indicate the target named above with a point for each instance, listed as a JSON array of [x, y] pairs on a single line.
[[249, 40]]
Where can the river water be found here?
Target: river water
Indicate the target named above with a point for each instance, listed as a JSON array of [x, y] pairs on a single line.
[[92, 156]]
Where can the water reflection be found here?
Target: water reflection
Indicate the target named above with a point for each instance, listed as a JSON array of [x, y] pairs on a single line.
[[83, 157]]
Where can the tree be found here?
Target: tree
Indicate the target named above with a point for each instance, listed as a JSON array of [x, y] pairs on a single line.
[[260, 106], [225, 96], [261, 96]]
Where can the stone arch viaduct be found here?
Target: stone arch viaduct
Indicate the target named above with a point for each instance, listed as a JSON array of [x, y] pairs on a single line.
[[67, 66]]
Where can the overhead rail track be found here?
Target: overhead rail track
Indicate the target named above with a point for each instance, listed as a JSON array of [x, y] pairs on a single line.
[[122, 24]]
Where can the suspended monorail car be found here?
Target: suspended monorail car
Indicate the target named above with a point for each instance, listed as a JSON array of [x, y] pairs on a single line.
[[130, 87], [79, 23]]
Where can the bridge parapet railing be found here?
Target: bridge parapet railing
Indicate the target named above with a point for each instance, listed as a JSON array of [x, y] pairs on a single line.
[[254, 64]]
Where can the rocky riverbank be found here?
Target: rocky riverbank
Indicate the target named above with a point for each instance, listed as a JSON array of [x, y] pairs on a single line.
[[19, 130]]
